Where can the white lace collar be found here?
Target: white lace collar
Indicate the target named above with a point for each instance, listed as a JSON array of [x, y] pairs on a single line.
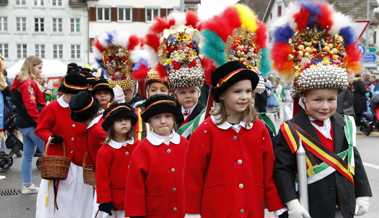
[[62, 102], [94, 121], [226, 125], [157, 140], [117, 145]]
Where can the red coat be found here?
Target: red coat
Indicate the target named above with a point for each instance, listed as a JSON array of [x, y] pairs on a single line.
[[56, 120], [230, 174], [96, 137], [111, 172], [155, 185]]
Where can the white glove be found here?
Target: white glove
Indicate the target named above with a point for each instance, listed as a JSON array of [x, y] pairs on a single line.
[[361, 205], [119, 96], [295, 210], [191, 215]]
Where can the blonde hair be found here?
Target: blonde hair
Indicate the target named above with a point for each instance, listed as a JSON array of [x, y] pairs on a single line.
[[26, 71], [248, 116]]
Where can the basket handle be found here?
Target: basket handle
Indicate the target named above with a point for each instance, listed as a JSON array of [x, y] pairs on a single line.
[[48, 144]]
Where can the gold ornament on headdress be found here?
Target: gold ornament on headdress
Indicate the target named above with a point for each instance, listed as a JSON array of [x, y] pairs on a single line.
[[116, 60]]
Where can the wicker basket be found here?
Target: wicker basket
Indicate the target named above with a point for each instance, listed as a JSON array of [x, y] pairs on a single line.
[[89, 177], [54, 167]]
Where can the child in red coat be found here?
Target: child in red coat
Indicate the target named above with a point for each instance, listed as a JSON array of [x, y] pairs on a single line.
[[155, 183], [230, 160], [113, 158]]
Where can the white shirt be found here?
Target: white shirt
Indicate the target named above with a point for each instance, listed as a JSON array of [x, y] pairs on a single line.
[[157, 140], [190, 110], [226, 125], [62, 102], [325, 129], [117, 145]]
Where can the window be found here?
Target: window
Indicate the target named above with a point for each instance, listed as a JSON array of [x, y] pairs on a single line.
[[75, 51], [39, 24], [56, 3], [39, 3], [125, 14], [39, 50], [4, 50], [3, 24], [58, 51], [151, 13], [21, 24], [103, 14], [21, 50], [20, 2], [75, 25], [279, 10], [57, 25]]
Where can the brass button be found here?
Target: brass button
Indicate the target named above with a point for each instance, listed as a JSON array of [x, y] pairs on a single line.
[[168, 150], [205, 131], [239, 161], [72, 138], [73, 125], [173, 189], [71, 151], [234, 137], [173, 170], [242, 210], [241, 186], [175, 209], [127, 153]]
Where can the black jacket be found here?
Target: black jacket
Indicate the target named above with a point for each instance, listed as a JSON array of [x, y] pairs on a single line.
[[334, 190]]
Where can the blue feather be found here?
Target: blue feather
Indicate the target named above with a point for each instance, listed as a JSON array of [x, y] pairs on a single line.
[[283, 34], [109, 38], [347, 34], [213, 47], [265, 65]]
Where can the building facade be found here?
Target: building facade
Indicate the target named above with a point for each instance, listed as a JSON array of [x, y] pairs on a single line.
[[50, 29]]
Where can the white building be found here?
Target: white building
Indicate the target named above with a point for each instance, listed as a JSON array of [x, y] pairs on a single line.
[[51, 29], [126, 15]]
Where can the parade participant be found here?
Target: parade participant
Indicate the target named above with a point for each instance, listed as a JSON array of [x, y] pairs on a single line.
[[315, 46], [85, 109], [113, 159], [69, 197], [230, 160], [112, 55], [103, 93], [29, 101], [155, 183], [179, 58]]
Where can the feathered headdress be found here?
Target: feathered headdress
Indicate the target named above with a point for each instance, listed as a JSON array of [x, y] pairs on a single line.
[[176, 40], [236, 35], [112, 54], [315, 45]]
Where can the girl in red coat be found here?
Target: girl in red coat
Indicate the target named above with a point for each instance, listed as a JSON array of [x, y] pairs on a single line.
[[155, 183], [113, 158], [230, 160]]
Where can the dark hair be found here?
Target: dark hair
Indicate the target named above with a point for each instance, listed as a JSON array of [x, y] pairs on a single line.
[[112, 132]]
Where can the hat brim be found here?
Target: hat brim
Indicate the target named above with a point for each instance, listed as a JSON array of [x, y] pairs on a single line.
[[103, 88], [67, 90], [84, 116], [162, 108], [242, 75], [117, 115]]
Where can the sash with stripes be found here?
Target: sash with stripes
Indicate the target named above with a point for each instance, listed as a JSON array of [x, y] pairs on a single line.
[[331, 161], [188, 128]]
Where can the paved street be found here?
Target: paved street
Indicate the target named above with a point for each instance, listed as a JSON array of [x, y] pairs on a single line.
[[16, 205]]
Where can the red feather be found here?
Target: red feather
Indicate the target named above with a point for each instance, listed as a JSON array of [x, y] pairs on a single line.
[[152, 40], [233, 17], [159, 25], [209, 67], [279, 53], [261, 36], [99, 46], [133, 42], [192, 19], [161, 70], [352, 53], [301, 18], [325, 18], [171, 23], [140, 73]]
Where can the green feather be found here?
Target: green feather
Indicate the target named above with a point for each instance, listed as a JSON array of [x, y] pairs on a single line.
[[213, 47], [265, 65]]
